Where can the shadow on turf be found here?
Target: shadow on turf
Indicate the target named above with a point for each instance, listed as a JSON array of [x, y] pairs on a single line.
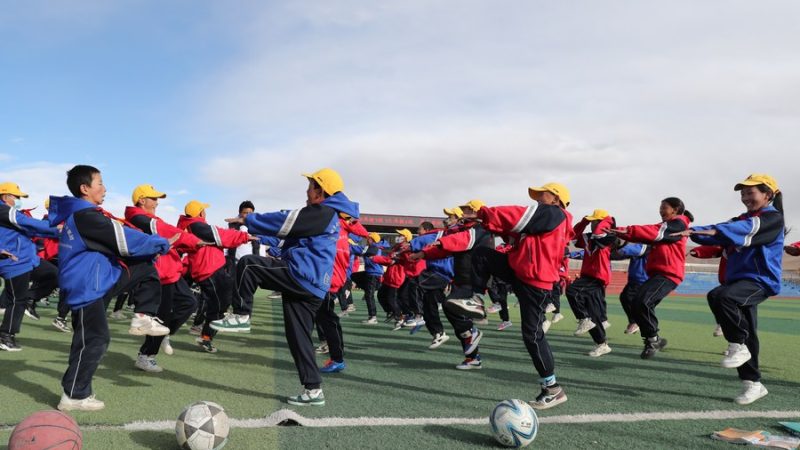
[[470, 438], [155, 440]]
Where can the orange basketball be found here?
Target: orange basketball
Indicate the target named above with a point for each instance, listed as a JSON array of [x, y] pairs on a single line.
[[46, 430]]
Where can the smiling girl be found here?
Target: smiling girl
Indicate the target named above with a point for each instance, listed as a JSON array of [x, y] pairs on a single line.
[[754, 245]]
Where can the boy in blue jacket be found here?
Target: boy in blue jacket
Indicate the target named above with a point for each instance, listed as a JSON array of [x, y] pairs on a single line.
[[303, 274], [99, 258], [16, 231], [369, 278]]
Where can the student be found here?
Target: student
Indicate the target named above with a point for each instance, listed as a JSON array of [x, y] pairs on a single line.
[[538, 235], [409, 296], [207, 267], [99, 257], [637, 275], [16, 231], [461, 243], [498, 292], [327, 320], [754, 243], [665, 267], [49, 252], [393, 279], [177, 300], [587, 293], [369, 279], [432, 281], [303, 274]]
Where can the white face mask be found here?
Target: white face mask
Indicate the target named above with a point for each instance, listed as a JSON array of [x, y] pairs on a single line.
[[18, 203]]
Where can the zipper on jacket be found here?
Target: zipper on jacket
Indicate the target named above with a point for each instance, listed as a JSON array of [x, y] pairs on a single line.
[[97, 279]]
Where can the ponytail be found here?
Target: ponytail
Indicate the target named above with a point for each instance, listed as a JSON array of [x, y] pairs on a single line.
[[689, 215]]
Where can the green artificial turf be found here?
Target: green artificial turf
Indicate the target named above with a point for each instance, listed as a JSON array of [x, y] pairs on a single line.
[[393, 374]]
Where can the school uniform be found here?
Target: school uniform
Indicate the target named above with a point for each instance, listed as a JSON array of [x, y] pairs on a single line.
[[637, 275], [368, 279], [665, 268], [177, 300], [587, 294], [432, 281], [99, 258], [303, 274], [754, 246], [16, 232]]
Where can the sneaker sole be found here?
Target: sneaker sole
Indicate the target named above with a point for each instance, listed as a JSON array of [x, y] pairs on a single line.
[[469, 368], [10, 349], [78, 408], [456, 308], [734, 364], [142, 332], [747, 402], [557, 402], [230, 330], [296, 403], [597, 355]]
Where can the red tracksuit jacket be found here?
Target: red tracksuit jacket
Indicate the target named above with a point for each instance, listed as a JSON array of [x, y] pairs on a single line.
[[713, 251], [668, 253], [597, 249], [207, 260], [169, 266], [342, 259], [395, 274], [538, 235]]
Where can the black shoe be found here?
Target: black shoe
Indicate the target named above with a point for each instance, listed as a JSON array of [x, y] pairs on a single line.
[[30, 311], [652, 346], [9, 343]]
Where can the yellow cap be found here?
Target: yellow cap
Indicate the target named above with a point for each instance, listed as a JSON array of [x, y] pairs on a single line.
[[758, 178], [47, 203], [375, 237], [454, 211], [597, 214], [194, 208], [406, 234], [557, 189], [11, 188], [146, 191], [328, 179], [474, 204]]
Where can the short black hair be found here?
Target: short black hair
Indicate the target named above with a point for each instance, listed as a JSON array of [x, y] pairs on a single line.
[[246, 204], [427, 226], [78, 176]]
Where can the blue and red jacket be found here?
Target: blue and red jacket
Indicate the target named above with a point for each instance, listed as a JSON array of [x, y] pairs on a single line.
[[636, 254], [754, 245], [92, 247], [441, 267], [310, 235], [16, 231], [370, 267]]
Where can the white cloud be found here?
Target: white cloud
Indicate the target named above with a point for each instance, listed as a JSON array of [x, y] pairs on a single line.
[[424, 104]]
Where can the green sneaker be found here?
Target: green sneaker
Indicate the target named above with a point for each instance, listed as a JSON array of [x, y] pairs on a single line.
[[313, 397], [232, 323]]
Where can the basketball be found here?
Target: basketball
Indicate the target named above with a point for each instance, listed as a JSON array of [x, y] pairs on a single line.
[[46, 430]]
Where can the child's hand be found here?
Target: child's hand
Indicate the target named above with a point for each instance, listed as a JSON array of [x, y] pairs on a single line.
[[792, 250]]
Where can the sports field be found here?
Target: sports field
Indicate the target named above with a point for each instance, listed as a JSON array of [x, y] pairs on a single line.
[[393, 379]]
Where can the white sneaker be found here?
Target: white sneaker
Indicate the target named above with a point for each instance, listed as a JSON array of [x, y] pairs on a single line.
[[438, 340], [148, 364], [557, 317], [550, 308], [118, 315], [606, 324], [371, 321], [632, 328], [600, 350], [2, 311], [86, 404], [144, 325], [718, 331], [546, 326], [738, 354], [584, 325], [751, 391], [166, 346]]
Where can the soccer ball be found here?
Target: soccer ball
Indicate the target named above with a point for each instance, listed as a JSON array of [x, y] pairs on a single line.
[[514, 423], [202, 426]]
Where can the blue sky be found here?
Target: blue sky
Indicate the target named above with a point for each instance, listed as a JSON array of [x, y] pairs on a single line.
[[419, 104]]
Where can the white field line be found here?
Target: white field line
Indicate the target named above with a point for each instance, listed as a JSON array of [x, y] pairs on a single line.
[[274, 419]]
